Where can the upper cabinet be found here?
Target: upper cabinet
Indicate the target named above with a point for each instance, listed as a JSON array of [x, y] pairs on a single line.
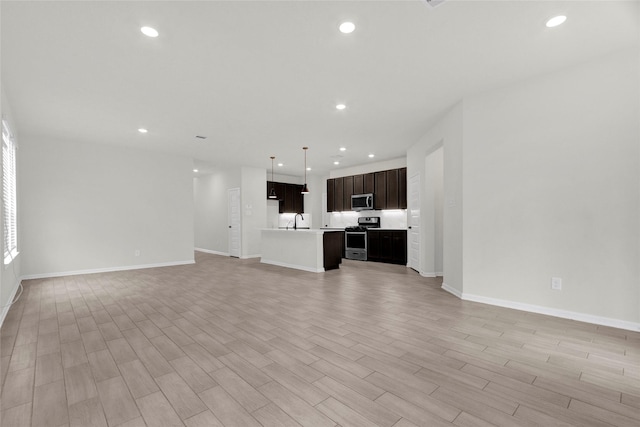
[[330, 195], [389, 189], [338, 196], [393, 189], [348, 192], [402, 188], [380, 195], [290, 197]]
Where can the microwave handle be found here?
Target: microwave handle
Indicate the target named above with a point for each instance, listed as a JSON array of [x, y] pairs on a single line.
[[370, 201]]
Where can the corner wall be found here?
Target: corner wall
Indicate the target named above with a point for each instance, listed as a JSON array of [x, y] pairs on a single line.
[[89, 207], [447, 133], [551, 189], [253, 184]]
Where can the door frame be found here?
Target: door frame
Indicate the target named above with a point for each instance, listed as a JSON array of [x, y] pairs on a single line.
[[234, 227], [413, 229]]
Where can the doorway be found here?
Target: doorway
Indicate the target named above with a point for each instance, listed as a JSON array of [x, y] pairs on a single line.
[[414, 222], [433, 219]]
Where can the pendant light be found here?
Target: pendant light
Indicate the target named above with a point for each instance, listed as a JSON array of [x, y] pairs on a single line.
[[305, 189], [272, 192]]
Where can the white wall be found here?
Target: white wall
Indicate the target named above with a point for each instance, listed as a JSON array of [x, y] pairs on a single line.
[[551, 188], [447, 133], [211, 232], [10, 274], [89, 207], [369, 167], [253, 185]]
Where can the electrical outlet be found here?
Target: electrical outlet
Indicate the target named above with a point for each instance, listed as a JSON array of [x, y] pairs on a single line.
[[556, 283], [136, 252]]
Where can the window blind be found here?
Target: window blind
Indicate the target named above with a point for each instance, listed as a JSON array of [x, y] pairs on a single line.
[[9, 204]]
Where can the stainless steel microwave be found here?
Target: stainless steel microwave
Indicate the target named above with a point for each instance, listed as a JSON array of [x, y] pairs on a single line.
[[362, 202]]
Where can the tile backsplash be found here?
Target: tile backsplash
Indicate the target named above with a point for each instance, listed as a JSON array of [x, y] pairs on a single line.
[[388, 218]]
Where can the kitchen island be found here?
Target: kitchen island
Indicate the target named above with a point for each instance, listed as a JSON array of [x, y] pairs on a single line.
[[309, 250]]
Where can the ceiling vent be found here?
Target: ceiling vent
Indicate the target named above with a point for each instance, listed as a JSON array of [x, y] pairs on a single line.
[[434, 3]]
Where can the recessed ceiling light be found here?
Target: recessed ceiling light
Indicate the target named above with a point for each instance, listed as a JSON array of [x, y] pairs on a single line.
[[308, 169], [195, 170], [347, 27], [343, 149], [372, 155], [280, 164], [336, 163], [341, 107], [556, 20], [142, 130], [149, 32]]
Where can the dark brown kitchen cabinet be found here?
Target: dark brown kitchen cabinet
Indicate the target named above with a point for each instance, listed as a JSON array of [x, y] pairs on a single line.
[[402, 188], [369, 183], [358, 184], [338, 195], [290, 196], [388, 187], [388, 246], [392, 190], [281, 189], [348, 192], [289, 202], [333, 249], [380, 197], [331, 195], [298, 198]]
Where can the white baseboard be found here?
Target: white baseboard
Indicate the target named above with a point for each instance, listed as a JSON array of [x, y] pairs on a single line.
[[427, 274], [105, 270], [250, 256], [564, 314], [451, 290], [208, 251], [297, 267], [6, 308]]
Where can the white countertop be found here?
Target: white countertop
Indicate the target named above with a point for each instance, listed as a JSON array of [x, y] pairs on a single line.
[[299, 230]]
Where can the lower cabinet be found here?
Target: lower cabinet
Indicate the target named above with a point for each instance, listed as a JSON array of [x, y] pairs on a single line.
[[388, 246], [333, 244]]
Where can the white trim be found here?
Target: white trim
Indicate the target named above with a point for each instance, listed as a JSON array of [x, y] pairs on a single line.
[[250, 256], [427, 274], [564, 314], [105, 270], [439, 274], [6, 309], [208, 251], [453, 291], [297, 267]]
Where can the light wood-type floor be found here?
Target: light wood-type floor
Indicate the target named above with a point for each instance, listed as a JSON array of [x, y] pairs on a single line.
[[229, 342]]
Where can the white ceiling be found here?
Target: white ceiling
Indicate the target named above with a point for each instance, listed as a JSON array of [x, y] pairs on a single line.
[[263, 78]]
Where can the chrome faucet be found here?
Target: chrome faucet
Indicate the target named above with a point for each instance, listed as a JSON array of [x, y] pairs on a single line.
[[295, 220]]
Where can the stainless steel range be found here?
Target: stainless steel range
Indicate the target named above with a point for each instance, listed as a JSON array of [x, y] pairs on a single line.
[[356, 237]]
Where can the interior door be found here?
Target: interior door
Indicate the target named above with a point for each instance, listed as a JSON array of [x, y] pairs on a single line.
[[235, 240], [414, 222]]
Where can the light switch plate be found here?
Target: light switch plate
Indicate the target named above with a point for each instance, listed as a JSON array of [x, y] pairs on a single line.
[[556, 283]]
